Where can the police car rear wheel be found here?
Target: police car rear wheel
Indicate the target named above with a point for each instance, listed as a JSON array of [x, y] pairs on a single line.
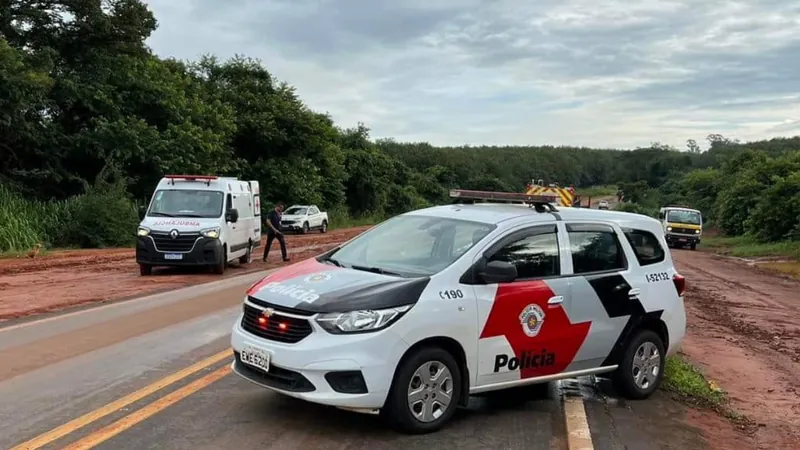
[[425, 392], [642, 367]]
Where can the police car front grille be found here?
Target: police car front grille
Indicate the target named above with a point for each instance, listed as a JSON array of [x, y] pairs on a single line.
[[279, 308], [182, 243], [293, 331]]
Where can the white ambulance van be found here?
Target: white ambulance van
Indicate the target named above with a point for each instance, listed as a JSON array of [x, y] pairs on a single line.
[[197, 220]]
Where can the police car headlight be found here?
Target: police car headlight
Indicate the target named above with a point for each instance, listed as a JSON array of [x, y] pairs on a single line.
[[143, 231], [212, 233], [361, 321]]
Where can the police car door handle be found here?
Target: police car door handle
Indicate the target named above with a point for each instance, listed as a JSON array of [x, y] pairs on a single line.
[[633, 293], [555, 300]]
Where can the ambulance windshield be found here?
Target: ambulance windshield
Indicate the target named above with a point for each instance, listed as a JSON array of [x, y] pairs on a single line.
[[186, 203]]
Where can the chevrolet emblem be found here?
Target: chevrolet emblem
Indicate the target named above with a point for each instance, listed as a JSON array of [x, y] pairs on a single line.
[[268, 312]]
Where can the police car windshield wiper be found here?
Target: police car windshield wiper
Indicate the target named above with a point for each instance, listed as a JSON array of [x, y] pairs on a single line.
[[374, 270], [332, 261]]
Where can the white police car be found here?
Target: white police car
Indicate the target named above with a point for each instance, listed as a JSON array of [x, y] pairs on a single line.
[[411, 317]]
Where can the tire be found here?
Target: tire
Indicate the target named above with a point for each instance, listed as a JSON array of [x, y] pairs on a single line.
[[624, 378], [694, 246], [145, 270], [248, 257], [305, 228], [219, 267], [398, 413], [324, 227]]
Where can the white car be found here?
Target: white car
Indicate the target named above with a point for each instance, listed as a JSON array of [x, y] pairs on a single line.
[[602, 204], [411, 317], [304, 218]]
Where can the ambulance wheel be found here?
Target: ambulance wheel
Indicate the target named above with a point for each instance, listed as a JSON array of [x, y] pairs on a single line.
[[219, 267], [248, 257], [425, 392], [145, 270], [642, 366]]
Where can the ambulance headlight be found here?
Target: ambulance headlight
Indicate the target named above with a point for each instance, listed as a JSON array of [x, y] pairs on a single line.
[[363, 321], [212, 233], [143, 231]]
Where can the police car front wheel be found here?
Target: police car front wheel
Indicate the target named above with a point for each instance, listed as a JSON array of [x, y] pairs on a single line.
[[642, 367], [425, 392]]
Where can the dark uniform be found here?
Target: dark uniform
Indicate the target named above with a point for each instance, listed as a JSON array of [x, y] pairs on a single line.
[[274, 217]]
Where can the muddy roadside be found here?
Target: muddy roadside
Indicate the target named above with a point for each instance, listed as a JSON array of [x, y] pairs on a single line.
[[743, 332], [67, 279]]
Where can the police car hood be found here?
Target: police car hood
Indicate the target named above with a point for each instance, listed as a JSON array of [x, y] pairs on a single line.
[[182, 224], [312, 286]]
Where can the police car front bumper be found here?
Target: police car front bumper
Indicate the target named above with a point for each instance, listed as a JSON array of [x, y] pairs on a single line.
[[347, 371]]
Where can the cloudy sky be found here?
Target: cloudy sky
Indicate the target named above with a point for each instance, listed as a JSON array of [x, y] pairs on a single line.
[[601, 73]]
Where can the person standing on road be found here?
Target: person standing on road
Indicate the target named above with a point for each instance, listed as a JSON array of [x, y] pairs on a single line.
[[274, 231]]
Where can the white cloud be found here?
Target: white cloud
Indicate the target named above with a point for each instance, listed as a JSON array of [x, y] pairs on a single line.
[[607, 73]]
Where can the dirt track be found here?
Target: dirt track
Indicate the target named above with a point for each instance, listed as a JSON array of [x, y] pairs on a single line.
[[744, 330], [69, 278]]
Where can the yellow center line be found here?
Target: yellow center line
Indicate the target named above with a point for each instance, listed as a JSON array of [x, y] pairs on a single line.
[[69, 427], [140, 415]]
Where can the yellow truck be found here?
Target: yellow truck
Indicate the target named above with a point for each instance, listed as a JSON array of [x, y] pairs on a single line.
[[682, 226], [565, 196]]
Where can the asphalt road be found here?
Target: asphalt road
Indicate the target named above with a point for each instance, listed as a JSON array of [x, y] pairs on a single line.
[[154, 373]]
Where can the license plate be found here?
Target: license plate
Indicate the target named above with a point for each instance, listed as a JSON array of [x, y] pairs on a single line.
[[173, 256], [682, 240], [256, 358]]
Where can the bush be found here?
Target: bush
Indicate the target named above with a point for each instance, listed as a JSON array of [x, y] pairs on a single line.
[[777, 214], [103, 217], [636, 209]]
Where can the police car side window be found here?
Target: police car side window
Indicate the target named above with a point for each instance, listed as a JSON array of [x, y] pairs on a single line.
[[535, 256], [595, 249], [645, 245]]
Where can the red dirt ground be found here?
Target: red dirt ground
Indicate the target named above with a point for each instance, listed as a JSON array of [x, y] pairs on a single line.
[[68, 278], [744, 332]]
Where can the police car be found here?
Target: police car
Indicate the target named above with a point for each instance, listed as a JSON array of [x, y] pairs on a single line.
[[418, 313]]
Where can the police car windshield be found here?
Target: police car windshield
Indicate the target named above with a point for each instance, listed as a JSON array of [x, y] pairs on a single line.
[[412, 245], [186, 203], [688, 217]]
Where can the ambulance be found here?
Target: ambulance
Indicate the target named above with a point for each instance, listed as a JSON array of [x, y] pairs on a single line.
[[199, 220]]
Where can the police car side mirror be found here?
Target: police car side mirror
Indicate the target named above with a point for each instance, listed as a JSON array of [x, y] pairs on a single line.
[[498, 272], [232, 216]]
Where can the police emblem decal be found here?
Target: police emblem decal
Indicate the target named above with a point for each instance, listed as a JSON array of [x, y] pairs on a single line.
[[318, 277], [532, 319]]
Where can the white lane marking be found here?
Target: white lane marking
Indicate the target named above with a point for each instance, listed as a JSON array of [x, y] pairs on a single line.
[[221, 284], [578, 435]]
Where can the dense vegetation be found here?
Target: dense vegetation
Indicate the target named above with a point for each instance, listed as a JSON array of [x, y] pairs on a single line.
[[90, 119]]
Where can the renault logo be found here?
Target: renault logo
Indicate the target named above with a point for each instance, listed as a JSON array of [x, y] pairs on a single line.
[[173, 234]]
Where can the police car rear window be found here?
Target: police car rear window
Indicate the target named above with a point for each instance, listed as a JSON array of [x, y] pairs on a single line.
[[646, 246]]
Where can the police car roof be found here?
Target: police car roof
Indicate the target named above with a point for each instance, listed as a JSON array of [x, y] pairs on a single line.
[[495, 213]]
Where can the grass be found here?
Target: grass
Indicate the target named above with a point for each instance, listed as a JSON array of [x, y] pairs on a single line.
[[690, 385], [685, 380], [597, 191], [343, 220], [748, 247]]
